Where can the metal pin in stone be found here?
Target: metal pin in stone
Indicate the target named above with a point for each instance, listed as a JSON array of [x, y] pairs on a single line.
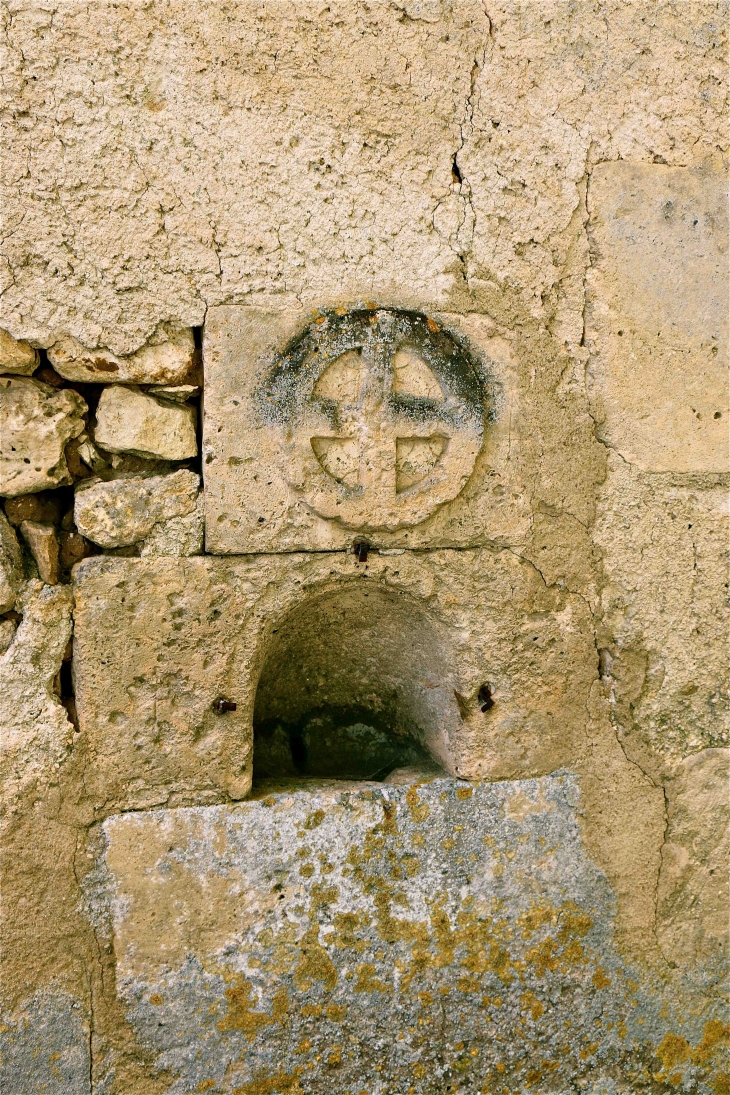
[[221, 705]]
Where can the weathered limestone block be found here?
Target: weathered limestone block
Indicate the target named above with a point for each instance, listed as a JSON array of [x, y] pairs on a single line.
[[179, 393], [7, 634], [282, 474], [129, 421], [43, 543], [658, 317], [421, 937], [168, 361], [178, 536], [11, 565], [664, 612], [17, 356], [123, 511], [693, 895], [36, 731], [449, 621], [36, 421]]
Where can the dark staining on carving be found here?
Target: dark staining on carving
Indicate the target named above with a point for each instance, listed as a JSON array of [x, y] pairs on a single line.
[[378, 334], [361, 549]]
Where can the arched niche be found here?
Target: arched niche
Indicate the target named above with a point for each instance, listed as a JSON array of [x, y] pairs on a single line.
[[355, 683]]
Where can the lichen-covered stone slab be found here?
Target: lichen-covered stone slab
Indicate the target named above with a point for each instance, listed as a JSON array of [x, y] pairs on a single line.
[[436, 936], [44, 1047]]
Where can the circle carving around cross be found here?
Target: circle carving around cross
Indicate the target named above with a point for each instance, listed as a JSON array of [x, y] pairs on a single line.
[[380, 416]]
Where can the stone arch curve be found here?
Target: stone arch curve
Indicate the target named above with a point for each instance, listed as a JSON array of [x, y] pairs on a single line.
[[354, 681]]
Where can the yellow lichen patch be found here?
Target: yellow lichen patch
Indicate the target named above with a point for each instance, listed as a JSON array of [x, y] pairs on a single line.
[[601, 979], [314, 964], [314, 819], [205, 1085], [536, 917], [721, 1083], [334, 1058], [240, 1015], [279, 1083], [716, 1034], [531, 1003], [156, 999], [418, 810], [673, 1050], [464, 792], [336, 1013], [367, 980]]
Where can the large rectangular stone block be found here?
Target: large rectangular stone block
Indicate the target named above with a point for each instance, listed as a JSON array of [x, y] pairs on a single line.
[[657, 319], [159, 640]]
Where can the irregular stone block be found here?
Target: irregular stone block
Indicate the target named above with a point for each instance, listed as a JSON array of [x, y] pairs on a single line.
[[129, 421], [36, 421], [11, 565], [414, 636], [657, 322], [424, 937], [123, 511], [165, 362], [17, 356], [7, 634], [693, 896], [179, 394], [36, 733], [43, 543], [178, 536], [665, 613]]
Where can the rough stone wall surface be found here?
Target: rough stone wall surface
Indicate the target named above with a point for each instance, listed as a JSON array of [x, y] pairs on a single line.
[[546, 181]]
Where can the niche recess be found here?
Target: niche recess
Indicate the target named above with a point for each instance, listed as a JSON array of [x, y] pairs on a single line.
[[355, 684]]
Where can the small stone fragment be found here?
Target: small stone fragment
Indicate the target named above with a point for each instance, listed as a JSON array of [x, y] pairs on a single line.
[[45, 506], [178, 536], [129, 421], [36, 422], [167, 361], [124, 511], [90, 455], [73, 548], [16, 355], [11, 565], [179, 394], [43, 543], [7, 634]]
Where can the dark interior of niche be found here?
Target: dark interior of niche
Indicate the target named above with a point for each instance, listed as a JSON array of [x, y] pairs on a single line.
[[354, 685]]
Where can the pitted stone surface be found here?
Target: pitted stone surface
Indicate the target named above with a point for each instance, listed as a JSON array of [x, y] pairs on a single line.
[[123, 511], [44, 1047], [429, 937], [36, 421]]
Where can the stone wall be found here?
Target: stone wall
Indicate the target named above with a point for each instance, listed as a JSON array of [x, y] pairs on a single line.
[[363, 578]]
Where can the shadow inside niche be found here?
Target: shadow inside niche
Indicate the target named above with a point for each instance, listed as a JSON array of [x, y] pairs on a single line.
[[355, 685]]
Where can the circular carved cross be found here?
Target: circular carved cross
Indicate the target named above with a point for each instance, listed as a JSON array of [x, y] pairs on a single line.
[[380, 416]]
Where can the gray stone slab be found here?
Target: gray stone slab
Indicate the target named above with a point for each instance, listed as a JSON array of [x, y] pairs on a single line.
[[436, 936], [44, 1048]]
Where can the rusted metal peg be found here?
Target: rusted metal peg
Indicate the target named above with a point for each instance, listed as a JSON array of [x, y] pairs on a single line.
[[361, 549], [221, 705]]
